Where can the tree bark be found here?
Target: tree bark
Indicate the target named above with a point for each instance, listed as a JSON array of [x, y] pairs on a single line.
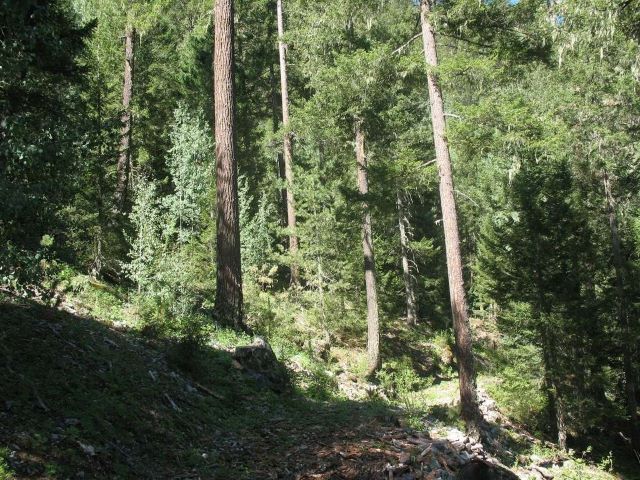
[[229, 272], [409, 280], [373, 322], [287, 148], [557, 409], [623, 316], [461, 328], [124, 157], [275, 119]]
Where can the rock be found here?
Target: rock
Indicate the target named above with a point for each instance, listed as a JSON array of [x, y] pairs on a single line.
[[260, 363], [87, 449], [439, 445], [464, 456], [458, 445], [321, 347], [236, 364], [476, 447], [455, 435], [404, 457]]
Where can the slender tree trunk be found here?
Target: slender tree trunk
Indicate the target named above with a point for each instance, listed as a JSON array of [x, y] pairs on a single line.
[[373, 322], [623, 317], [275, 119], [409, 280], [557, 409], [461, 328], [124, 157], [229, 272], [288, 148], [96, 269]]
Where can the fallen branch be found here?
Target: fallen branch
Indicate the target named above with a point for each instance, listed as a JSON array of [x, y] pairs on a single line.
[[173, 404], [204, 389]]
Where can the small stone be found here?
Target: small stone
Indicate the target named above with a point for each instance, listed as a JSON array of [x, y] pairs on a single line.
[[455, 435], [236, 364], [457, 444], [87, 449]]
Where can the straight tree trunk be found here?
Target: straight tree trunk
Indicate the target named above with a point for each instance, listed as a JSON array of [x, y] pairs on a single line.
[[409, 280], [275, 119], [229, 272], [288, 148], [461, 328], [623, 317], [373, 322], [124, 157]]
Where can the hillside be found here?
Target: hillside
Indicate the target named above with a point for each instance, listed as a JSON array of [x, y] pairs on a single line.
[[83, 399]]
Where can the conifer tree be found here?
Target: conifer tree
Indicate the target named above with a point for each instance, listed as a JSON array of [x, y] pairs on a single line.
[[124, 157], [407, 277], [229, 272], [459, 308], [373, 320], [287, 147]]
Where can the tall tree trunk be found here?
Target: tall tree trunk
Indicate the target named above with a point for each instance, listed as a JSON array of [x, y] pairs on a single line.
[[461, 328], [229, 272], [275, 120], [96, 268], [288, 148], [373, 322], [623, 317], [124, 157], [409, 280]]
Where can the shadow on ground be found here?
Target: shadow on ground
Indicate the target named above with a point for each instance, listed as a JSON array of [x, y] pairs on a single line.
[[81, 400]]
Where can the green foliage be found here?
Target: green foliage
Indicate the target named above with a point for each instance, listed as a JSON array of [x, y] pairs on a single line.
[[5, 472], [580, 468], [257, 237], [541, 103], [171, 232], [398, 378], [42, 128], [514, 384], [21, 269]]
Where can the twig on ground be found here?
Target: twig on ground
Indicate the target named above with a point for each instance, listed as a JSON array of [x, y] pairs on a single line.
[[173, 404], [208, 391]]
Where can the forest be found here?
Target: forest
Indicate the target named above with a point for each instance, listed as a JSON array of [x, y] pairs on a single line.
[[337, 239]]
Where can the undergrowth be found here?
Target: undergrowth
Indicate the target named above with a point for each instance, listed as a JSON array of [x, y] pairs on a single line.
[[107, 388]]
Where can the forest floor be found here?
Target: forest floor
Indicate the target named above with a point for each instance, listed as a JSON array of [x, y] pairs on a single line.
[[83, 398]]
